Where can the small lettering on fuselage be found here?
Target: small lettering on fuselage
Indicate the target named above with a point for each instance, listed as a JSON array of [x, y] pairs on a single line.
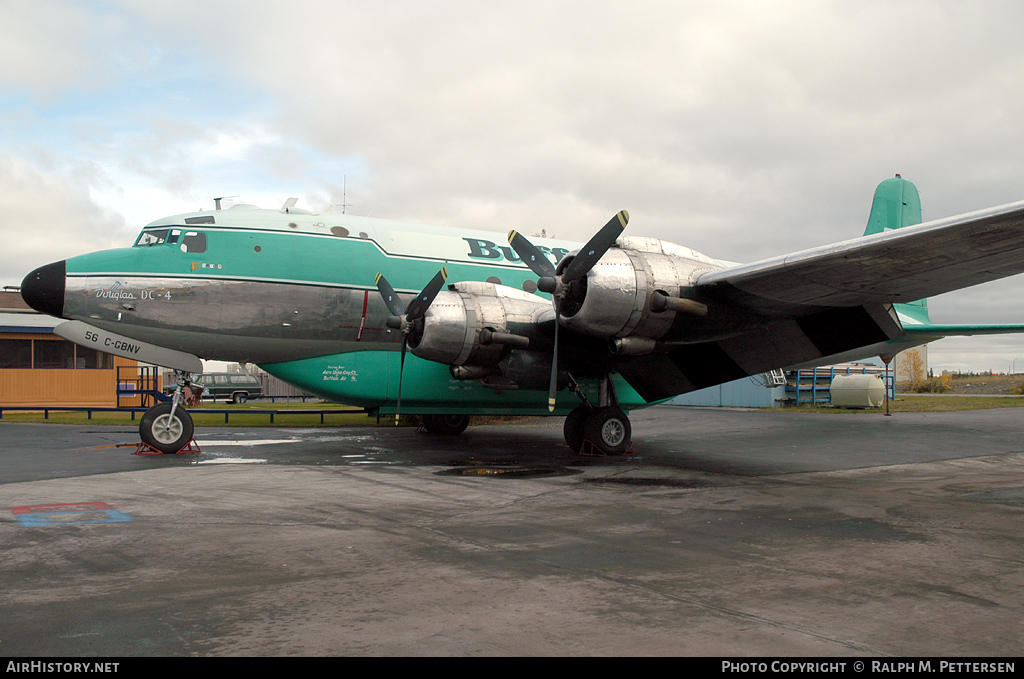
[[116, 293], [338, 373], [121, 346], [485, 249]]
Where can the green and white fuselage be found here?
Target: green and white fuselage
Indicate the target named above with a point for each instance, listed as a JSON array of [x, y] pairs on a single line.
[[639, 320], [293, 291]]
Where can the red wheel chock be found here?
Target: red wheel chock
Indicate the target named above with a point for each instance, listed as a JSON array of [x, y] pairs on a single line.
[[145, 449], [589, 449]]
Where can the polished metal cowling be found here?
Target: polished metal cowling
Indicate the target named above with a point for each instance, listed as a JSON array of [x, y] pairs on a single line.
[[616, 296], [453, 324]]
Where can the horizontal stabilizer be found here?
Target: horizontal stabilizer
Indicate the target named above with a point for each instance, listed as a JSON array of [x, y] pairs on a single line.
[[930, 330]]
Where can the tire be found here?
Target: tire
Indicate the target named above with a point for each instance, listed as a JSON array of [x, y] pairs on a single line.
[[239, 397], [446, 425], [158, 431], [609, 430], [572, 428]]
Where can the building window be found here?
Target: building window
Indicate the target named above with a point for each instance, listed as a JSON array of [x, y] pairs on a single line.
[[51, 355], [16, 353], [90, 359]]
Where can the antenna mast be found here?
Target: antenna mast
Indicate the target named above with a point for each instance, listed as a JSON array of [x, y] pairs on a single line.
[[344, 193]]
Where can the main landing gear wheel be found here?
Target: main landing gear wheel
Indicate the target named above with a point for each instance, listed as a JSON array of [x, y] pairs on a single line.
[[160, 431], [607, 428], [448, 425]]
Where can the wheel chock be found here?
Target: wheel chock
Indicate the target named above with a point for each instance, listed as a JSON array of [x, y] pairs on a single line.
[[145, 449], [590, 449]]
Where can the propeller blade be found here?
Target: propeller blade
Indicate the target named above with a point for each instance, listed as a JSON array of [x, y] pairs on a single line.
[[553, 386], [391, 298], [418, 307], [531, 255], [401, 372], [595, 248], [405, 317]]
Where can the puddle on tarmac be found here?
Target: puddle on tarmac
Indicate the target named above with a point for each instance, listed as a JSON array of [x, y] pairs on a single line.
[[252, 442]]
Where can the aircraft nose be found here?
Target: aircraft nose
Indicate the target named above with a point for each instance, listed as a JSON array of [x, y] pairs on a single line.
[[43, 289]]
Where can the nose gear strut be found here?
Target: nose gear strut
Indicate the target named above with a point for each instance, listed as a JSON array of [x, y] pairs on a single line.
[[167, 427]]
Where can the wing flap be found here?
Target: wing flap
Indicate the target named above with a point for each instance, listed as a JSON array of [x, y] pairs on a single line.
[[779, 344]]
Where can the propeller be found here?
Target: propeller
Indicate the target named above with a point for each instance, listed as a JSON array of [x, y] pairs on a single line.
[[559, 284], [408, 319]]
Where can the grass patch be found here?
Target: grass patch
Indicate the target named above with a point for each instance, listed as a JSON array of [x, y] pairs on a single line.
[[241, 415], [913, 403], [250, 415], [257, 415]]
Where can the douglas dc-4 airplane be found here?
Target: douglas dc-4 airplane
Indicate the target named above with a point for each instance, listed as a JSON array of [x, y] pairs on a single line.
[[332, 303]]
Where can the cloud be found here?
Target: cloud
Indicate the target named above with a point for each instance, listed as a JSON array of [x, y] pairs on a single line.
[[742, 129], [50, 48], [47, 217]]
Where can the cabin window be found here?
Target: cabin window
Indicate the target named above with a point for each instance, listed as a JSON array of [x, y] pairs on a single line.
[[194, 242], [153, 237]]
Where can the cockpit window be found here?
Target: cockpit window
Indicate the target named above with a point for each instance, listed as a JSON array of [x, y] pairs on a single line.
[[153, 237], [187, 241], [194, 242]]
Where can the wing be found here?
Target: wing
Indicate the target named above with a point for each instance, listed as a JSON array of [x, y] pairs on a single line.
[[829, 303], [896, 266]]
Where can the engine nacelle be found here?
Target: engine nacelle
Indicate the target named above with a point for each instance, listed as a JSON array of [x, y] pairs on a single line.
[[614, 300], [474, 324]]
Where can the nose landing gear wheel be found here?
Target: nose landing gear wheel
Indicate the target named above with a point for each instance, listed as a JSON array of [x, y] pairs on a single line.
[[162, 432]]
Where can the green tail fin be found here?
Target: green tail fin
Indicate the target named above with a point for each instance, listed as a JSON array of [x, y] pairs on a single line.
[[897, 204]]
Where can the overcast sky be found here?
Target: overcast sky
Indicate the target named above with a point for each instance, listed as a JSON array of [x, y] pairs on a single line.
[[741, 129]]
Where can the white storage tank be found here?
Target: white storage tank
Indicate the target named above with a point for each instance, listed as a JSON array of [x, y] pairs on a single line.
[[857, 391]]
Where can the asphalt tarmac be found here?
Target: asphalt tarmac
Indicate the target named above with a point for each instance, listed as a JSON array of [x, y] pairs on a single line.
[[729, 533]]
